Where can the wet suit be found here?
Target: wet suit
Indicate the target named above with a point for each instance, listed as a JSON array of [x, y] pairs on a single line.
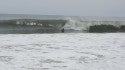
[[63, 30]]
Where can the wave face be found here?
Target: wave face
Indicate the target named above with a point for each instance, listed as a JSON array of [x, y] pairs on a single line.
[[29, 26]]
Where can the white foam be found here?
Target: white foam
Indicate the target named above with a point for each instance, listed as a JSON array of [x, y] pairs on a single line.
[[83, 23]]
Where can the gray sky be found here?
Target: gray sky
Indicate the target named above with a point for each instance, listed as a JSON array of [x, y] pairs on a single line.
[[64, 7]]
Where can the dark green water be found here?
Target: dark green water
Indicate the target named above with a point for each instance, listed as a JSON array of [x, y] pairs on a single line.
[[29, 26]]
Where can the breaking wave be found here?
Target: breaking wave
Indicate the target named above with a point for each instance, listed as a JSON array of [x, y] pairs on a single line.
[[50, 23], [83, 23]]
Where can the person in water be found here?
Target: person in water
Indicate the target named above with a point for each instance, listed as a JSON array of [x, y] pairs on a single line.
[[63, 30]]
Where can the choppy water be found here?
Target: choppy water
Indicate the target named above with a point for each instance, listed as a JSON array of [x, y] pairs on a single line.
[[62, 51]]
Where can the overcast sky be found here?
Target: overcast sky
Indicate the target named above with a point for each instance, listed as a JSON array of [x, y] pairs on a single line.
[[64, 7]]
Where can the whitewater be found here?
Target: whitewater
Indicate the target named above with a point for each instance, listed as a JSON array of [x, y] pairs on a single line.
[[62, 51]]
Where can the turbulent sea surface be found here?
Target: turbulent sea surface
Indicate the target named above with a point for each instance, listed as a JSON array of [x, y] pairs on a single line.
[[62, 51], [71, 50]]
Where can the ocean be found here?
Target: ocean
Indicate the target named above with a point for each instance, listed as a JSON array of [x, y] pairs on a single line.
[[28, 24]]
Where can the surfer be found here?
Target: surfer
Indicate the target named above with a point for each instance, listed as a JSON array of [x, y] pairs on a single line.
[[63, 30]]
